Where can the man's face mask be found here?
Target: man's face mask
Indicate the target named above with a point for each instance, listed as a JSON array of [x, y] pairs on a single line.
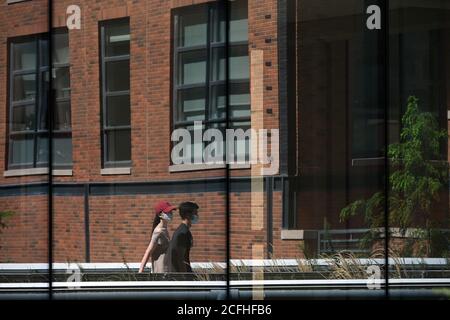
[[194, 219], [166, 216]]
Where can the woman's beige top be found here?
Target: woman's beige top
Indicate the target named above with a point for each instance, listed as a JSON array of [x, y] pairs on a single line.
[[160, 261]]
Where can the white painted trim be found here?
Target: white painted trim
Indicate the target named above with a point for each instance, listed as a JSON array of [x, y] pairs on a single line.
[[115, 171], [205, 265], [234, 283], [204, 166], [448, 114]]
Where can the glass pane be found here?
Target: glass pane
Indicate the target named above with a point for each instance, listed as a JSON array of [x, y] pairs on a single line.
[[24, 87], [191, 105], [241, 145], [117, 39], [418, 192], [192, 68], [118, 76], [238, 61], [118, 144], [238, 21], [311, 224], [43, 53], [24, 55], [22, 150], [218, 24], [42, 149], [341, 107], [193, 27], [239, 101], [62, 116], [23, 118], [43, 121], [61, 82], [62, 150], [60, 47], [218, 107], [118, 111], [218, 65], [367, 113]]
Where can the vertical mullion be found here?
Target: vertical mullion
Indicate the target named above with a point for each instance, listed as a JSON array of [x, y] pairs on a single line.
[[227, 166], [11, 98], [384, 39], [50, 148], [175, 58], [103, 105], [37, 97], [209, 26]]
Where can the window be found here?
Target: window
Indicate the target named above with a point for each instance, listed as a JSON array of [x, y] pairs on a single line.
[[199, 73], [115, 67], [28, 72], [29, 85], [62, 127]]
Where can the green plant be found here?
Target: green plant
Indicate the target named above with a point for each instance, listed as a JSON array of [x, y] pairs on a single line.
[[4, 215], [417, 175]]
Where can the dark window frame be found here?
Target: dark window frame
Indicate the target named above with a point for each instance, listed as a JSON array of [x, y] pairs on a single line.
[[105, 129], [63, 133], [41, 98], [39, 72], [213, 21]]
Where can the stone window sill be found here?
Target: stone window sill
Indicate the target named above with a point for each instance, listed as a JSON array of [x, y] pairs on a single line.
[[115, 171], [36, 171], [298, 234]]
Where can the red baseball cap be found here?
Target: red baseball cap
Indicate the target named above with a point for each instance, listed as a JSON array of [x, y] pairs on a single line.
[[164, 206]]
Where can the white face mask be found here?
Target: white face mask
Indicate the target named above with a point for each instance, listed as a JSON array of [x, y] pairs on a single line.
[[166, 216]]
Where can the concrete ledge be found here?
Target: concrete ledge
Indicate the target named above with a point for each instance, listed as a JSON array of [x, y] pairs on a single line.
[[115, 171], [25, 172], [36, 171], [298, 234], [62, 172]]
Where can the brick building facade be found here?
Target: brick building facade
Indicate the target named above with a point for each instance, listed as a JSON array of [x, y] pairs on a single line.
[[322, 103], [106, 216]]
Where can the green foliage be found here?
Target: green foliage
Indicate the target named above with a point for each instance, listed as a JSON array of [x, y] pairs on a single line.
[[4, 215], [417, 175]]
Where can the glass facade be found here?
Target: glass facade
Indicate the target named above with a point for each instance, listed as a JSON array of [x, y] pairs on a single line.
[[237, 149]]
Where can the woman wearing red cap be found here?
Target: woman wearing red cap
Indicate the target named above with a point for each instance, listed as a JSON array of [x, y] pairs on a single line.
[[160, 240]]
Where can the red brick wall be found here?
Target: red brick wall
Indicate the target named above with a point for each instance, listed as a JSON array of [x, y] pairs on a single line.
[[120, 225], [26, 237]]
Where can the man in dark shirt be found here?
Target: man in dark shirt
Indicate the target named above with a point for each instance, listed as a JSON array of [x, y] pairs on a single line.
[[182, 241]]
